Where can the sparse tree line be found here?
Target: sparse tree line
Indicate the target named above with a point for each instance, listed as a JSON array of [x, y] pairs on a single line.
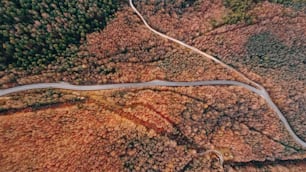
[[35, 32]]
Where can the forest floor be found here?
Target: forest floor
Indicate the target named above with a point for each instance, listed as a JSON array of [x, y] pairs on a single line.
[[161, 128]]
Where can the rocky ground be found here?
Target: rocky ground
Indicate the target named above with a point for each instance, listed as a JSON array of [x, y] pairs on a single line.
[[162, 128]]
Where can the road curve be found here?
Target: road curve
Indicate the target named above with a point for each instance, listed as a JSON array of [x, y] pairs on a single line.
[[259, 90]]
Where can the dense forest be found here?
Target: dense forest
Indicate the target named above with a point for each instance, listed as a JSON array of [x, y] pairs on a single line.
[[35, 32]]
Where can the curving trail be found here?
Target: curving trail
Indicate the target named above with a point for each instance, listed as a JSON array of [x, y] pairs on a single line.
[[65, 85], [258, 89]]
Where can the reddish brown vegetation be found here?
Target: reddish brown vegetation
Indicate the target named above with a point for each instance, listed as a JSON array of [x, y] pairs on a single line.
[[163, 128]]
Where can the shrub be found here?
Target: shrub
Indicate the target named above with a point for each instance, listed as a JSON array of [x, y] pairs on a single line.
[[35, 32]]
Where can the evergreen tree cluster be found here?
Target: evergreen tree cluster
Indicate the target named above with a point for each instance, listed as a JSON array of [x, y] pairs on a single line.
[[239, 9], [35, 32]]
